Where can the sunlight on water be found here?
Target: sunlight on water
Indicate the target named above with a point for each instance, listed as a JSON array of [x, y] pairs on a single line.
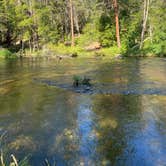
[[86, 131], [120, 122]]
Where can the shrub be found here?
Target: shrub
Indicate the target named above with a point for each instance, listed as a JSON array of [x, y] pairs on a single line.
[[5, 53]]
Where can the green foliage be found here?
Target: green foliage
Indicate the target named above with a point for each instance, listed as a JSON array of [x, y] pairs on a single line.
[[38, 23], [106, 28], [110, 52], [64, 50], [107, 37], [157, 42], [90, 34], [155, 48], [77, 78], [5, 53]]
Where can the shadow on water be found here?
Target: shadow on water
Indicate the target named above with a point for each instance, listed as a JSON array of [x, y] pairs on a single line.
[[75, 129]]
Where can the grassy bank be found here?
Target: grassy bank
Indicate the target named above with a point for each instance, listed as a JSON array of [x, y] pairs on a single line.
[[82, 52], [60, 50], [53, 51]]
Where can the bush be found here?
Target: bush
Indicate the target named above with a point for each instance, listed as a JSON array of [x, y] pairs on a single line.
[[64, 50], [5, 53], [89, 35], [110, 52]]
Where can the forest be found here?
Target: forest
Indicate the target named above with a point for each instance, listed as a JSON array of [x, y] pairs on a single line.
[[127, 27]]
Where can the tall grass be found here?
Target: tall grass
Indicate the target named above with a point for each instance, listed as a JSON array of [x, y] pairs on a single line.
[[13, 160]]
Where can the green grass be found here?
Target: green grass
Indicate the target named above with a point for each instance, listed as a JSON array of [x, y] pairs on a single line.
[[67, 50], [5, 53], [9, 160]]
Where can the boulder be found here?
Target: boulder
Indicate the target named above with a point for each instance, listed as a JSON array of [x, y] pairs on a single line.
[[93, 46]]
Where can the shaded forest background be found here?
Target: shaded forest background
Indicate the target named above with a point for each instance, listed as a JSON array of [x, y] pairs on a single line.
[[34, 24]]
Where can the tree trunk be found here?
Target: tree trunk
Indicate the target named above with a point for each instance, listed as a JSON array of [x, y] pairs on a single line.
[[145, 18], [117, 23], [72, 23]]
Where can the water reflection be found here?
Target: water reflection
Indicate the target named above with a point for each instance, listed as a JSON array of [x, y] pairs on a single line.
[[147, 146], [79, 129], [86, 131]]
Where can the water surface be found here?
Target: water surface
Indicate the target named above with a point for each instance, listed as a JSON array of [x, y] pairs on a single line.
[[121, 122]]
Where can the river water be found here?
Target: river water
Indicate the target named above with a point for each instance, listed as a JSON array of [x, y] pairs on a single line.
[[119, 121]]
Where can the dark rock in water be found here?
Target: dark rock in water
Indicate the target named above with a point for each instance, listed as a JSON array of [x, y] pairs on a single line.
[[83, 86], [74, 55], [59, 58], [76, 83], [83, 89], [86, 81]]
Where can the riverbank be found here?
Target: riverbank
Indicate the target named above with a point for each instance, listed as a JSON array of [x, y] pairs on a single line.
[[61, 51]]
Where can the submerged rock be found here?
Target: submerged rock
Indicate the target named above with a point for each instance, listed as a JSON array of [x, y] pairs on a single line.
[[78, 81], [74, 55], [85, 87], [86, 81]]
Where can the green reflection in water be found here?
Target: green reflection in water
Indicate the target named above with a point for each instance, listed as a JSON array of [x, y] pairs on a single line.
[[81, 129]]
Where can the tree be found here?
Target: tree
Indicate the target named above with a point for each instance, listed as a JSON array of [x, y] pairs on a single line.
[[145, 18], [31, 24], [71, 22], [117, 23]]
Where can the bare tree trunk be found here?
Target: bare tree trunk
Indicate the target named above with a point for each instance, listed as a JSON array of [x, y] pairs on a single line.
[[145, 18], [72, 23], [117, 23], [21, 34]]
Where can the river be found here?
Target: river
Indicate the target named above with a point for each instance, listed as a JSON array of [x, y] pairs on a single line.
[[121, 121]]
